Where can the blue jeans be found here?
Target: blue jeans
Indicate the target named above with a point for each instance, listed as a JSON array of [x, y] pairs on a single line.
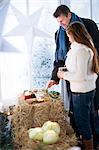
[[83, 108]]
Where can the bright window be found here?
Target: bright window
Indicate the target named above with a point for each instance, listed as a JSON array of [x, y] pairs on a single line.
[[26, 46]]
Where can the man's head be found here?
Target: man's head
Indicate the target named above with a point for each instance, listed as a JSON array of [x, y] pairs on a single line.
[[63, 15]]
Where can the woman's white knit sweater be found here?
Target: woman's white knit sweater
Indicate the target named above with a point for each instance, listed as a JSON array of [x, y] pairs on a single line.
[[79, 63]]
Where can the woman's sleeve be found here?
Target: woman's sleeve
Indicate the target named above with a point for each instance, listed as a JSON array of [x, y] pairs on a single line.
[[81, 67]]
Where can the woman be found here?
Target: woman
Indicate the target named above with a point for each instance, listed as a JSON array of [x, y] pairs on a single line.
[[82, 68]]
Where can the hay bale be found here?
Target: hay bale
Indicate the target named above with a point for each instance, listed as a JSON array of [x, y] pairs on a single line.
[[57, 114], [22, 120], [41, 113], [36, 114], [23, 115]]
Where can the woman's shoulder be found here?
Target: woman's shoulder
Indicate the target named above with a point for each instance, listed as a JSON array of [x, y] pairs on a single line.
[[81, 49], [78, 45]]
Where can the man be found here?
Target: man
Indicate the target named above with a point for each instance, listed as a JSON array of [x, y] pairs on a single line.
[[64, 16]]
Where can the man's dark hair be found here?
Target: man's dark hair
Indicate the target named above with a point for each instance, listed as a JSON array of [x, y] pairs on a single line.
[[61, 10]]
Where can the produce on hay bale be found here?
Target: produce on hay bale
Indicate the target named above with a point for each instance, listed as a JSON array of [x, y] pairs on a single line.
[[34, 90], [50, 137], [54, 94], [29, 94], [74, 148], [33, 115], [49, 132], [31, 100], [36, 133], [49, 125], [22, 97], [34, 96]]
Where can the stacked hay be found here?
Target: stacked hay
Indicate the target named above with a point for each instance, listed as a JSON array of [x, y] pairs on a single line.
[[35, 115], [41, 113], [57, 114], [22, 120]]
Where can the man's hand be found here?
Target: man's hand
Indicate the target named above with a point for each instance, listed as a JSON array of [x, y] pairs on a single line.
[[50, 83]]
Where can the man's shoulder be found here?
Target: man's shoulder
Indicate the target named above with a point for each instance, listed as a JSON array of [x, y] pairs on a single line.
[[90, 25], [88, 21]]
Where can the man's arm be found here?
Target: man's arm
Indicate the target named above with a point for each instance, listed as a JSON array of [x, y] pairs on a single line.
[[92, 29], [62, 43], [58, 64], [54, 79]]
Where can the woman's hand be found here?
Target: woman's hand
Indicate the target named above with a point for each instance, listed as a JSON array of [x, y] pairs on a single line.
[[60, 74]]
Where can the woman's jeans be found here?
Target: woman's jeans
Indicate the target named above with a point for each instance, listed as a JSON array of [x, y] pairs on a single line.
[[83, 109]]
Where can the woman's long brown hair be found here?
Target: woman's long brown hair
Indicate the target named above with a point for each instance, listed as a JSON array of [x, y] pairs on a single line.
[[81, 35]]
